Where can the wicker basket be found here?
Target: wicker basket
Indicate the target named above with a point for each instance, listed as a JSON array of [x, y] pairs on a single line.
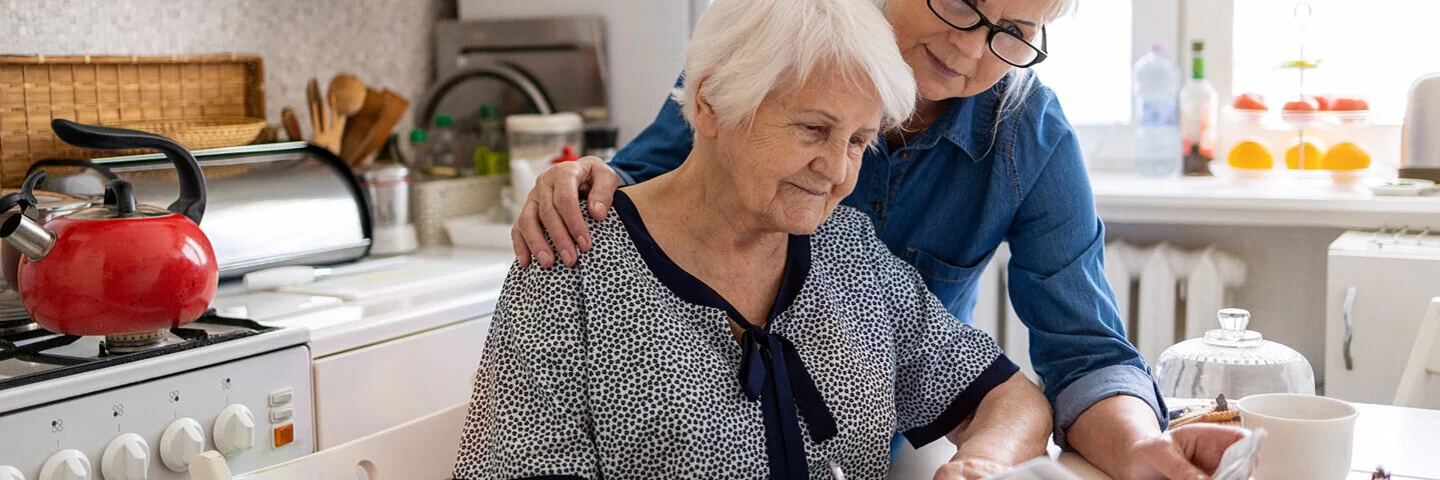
[[436, 201], [196, 133], [115, 90]]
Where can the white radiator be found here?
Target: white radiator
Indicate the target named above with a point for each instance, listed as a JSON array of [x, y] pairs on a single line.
[[1165, 294]]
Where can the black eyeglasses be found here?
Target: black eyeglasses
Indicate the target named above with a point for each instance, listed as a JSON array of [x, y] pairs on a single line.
[[1006, 43]]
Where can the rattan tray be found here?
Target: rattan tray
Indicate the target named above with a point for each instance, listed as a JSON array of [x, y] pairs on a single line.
[[116, 90]]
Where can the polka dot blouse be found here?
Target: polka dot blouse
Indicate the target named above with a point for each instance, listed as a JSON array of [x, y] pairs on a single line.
[[625, 366]]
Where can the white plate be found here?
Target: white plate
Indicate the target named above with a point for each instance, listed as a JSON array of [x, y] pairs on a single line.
[[1403, 187]]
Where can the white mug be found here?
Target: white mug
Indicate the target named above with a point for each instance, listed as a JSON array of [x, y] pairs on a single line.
[[1310, 437]]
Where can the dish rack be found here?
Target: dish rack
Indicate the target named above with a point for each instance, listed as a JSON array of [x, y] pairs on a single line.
[[436, 201]]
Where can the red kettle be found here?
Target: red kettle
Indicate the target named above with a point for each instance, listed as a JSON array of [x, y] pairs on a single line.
[[120, 268]]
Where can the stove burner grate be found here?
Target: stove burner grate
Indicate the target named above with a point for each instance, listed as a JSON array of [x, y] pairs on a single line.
[[12, 347]]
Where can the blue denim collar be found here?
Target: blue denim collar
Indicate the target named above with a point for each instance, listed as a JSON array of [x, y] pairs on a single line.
[[967, 123]]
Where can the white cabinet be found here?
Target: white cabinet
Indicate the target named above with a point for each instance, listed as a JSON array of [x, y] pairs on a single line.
[[372, 388], [1392, 277]]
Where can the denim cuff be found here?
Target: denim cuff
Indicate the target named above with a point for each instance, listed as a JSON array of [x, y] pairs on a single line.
[[1099, 385], [625, 178]]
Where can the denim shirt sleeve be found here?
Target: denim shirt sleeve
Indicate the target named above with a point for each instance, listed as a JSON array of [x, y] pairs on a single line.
[[660, 148], [1059, 290]]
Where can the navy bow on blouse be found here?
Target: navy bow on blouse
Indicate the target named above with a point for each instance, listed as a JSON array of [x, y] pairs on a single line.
[[767, 356]]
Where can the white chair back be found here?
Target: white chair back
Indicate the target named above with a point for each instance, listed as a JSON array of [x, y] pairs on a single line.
[[1424, 360]]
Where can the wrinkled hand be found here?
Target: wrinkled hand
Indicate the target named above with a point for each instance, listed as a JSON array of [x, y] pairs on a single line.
[[1191, 452], [554, 206], [961, 468]]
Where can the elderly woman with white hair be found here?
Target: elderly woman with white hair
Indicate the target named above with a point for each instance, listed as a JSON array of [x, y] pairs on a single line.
[[988, 157], [731, 320]]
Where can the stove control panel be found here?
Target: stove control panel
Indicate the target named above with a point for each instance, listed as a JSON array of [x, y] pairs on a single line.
[[149, 430]]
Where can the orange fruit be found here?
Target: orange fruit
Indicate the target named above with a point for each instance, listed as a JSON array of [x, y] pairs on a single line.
[[1346, 156], [1252, 155], [1313, 151]]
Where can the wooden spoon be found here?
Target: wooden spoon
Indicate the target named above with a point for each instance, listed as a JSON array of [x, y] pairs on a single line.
[[394, 107], [323, 119], [359, 125], [316, 106], [292, 124], [349, 93], [334, 126]]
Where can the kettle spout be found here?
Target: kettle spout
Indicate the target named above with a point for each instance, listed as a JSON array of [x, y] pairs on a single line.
[[27, 236]]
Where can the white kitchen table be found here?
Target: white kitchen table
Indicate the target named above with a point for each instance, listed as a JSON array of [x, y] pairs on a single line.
[[1405, 440]]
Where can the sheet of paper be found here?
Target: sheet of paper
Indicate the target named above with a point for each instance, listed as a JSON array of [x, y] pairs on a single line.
[[1042, 468], [1239, 460]]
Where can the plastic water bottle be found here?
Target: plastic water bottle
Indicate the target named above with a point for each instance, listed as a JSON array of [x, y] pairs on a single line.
[[1157, 115]]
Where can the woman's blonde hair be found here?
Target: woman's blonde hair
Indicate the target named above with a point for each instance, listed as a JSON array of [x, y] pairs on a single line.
[[744, 50]]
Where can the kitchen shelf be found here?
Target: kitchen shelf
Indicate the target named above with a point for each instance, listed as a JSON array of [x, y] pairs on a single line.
[[1130, 199]]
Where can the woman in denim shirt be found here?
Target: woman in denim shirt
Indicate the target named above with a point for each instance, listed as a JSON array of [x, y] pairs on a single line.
[[988, 158]]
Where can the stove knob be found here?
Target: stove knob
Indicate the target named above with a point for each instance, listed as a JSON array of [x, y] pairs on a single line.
[[182, 440], [10, 473], [66, 465], [234, 430], [127, 458]]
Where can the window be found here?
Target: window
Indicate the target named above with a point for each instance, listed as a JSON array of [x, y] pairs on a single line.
[[1089, 60], [1091, 52], [1374, 49]]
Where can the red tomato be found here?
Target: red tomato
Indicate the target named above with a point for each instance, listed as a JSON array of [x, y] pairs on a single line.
[[1304, 105], [1348, 104], [1250, 101]]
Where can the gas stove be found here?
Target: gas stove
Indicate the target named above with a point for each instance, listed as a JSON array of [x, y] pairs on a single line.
[[135, 407], [33, 355]]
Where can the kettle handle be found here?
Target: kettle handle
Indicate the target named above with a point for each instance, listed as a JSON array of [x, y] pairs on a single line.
[[25, 198], [192, 182]]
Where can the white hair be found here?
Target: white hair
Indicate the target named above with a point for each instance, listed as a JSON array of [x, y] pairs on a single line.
[[744, 50]]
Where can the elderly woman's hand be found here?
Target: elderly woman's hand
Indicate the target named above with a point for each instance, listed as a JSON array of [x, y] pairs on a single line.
[[554, 205], [961, 468], [1190, 452]]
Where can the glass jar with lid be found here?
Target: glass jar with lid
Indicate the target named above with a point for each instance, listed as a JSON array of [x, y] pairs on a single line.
[[1233, 361]]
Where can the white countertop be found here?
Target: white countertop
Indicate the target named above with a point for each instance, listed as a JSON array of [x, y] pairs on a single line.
[[438, 287], [1123, 198], [431, 289], [1405, 440]]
